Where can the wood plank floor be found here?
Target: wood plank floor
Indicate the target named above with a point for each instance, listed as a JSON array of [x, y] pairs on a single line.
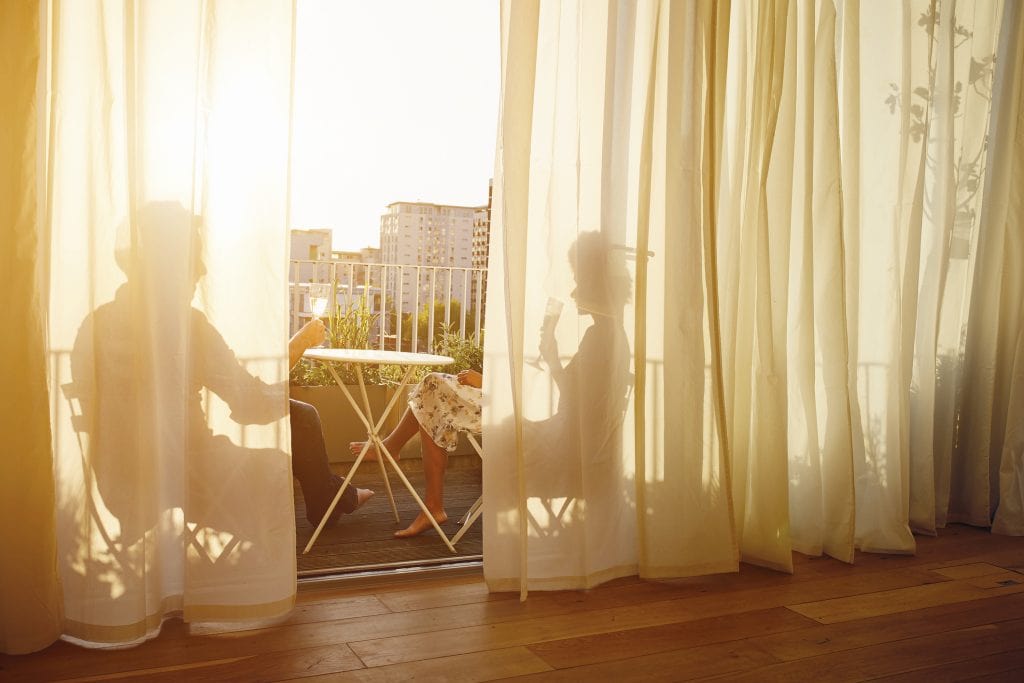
[[366, 538], [954, 611]]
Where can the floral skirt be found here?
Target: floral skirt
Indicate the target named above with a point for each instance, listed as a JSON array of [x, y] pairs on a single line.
[[444, 408]]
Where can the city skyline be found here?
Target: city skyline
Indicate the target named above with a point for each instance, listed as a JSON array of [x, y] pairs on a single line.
[[386, 111], [376, 244]]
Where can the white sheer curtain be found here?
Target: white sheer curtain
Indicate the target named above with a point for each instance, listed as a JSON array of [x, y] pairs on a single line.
[[989, 455], [794, 190], [167, 191]]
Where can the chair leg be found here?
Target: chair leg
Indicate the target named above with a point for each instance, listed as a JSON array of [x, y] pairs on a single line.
[[472, 509], [473, 515], [475, 510]]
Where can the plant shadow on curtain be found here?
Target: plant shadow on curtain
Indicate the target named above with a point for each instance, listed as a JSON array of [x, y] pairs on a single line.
[[167, 190], [795, 189]]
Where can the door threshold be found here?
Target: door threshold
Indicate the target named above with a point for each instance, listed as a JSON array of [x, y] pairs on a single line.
[[392, 572]]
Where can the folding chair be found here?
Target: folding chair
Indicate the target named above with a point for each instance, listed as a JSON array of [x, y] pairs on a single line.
[[556, 517], [116, 547], [473, 513]]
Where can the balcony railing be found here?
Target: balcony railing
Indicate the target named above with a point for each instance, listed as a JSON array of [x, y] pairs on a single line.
[[390, 293]]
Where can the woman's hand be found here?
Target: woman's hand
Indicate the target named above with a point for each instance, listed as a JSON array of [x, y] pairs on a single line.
[[548, 347], [471, 378]]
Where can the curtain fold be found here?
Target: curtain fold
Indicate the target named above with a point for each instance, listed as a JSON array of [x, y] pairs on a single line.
[[790, 196], [989, 453], [30, 599], [168, 198]]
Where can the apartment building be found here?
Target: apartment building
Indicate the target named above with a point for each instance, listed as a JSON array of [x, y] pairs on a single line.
[[429, 235], [313, 260], [364, 255], [481, 249], [309, 245]]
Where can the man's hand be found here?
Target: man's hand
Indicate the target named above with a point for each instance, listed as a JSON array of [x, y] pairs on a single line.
[[314, 332], [470, 378], [311, 334]]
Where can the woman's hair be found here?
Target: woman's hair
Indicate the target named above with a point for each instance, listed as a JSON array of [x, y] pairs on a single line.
[[603, 283]]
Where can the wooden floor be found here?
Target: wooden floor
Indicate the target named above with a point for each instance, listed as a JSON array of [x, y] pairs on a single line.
[[366, 537], [955, 611]]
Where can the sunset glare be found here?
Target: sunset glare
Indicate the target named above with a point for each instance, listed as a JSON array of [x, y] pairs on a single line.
[[395, 100]]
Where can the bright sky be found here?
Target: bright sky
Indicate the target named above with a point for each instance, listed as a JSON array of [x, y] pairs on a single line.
[[395, 100]]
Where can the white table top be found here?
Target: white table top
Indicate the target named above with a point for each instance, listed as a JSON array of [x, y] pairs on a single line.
[[369, 356]]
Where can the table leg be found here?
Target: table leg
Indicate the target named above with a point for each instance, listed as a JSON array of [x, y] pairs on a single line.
[[371, 429], [419, 501], [374, 434], [387, 482], [384, 453]]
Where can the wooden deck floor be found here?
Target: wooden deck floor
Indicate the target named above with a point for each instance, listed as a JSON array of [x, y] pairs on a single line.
[[365, 538], [955, 611]]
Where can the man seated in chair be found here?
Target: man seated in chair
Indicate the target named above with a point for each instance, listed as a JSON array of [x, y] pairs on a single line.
[[142, 422]]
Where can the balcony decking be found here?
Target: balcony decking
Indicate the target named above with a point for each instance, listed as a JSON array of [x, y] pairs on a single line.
[[365, 538]]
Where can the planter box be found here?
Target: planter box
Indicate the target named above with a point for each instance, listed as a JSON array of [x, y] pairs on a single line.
[[341, 425]]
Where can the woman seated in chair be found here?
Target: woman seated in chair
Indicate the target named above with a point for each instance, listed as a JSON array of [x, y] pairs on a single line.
[[440, 407]]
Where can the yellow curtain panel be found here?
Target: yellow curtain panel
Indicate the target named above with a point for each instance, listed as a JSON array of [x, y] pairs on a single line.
[[30, 606]]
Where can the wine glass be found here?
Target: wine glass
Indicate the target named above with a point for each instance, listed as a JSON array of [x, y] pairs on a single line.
[[552, 311], [319, 299]]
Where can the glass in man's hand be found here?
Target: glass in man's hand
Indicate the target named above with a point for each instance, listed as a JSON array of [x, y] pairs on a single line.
[[319, 299]]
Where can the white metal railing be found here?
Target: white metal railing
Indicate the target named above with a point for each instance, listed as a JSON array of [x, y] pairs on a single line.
[[390, 293]]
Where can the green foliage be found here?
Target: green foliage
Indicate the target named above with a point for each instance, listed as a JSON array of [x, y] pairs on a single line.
[[351, 330], [423, 322], [348, 330], [468, 353]]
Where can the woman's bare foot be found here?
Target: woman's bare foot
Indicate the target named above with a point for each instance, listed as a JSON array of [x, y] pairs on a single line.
[[362, 495], [356, 447], [421, 524]]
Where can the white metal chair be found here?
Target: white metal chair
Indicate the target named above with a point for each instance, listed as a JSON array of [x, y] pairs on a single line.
[[473, 513], [116, 546]]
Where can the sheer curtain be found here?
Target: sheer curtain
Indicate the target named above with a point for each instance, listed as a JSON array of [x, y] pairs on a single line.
[[164, 239], [990, 452], [790, 193]]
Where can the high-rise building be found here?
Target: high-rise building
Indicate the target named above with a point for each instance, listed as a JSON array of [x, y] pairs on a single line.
[[481, 250], [421, 234]]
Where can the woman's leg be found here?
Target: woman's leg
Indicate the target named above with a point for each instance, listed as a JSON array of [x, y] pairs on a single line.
[[435, 462], [395, 441]]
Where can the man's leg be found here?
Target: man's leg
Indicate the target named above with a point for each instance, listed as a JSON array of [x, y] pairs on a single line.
[[309, 465]]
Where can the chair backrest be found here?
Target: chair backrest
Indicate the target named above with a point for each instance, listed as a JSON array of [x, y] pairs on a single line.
[[70, 392]]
